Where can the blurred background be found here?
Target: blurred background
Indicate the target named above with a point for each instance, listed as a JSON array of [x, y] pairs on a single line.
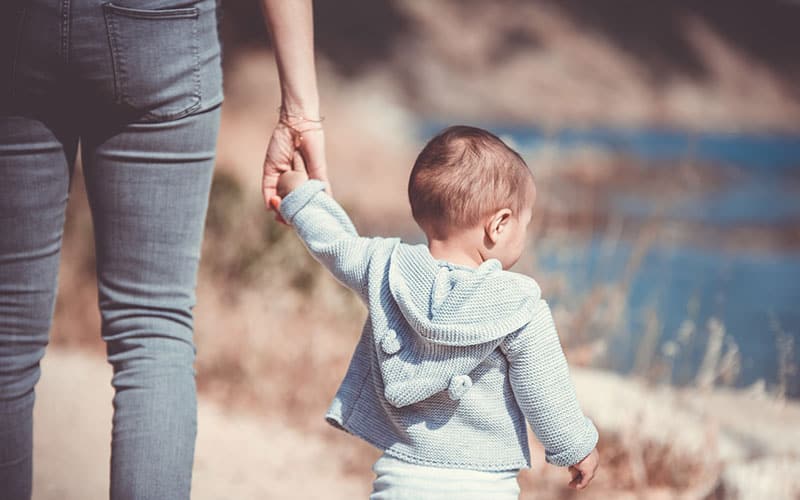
[[665, 140]]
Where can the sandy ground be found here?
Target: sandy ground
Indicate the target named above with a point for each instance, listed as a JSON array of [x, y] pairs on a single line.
[[237, 456], [745, 444]]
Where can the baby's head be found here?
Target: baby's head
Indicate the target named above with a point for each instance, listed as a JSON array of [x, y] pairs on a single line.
[[468, 186]]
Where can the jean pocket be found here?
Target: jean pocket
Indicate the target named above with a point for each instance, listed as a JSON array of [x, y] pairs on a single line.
[[156, 59]]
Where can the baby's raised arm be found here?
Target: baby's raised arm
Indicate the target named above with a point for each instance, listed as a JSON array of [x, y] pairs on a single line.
[[325, 229]]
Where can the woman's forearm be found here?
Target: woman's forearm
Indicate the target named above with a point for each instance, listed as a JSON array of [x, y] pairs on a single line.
[[291, 27]]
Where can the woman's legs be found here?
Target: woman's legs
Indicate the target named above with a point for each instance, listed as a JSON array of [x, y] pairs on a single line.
[[148, 159], [148, 162], [142, 89], [35, 163], [148, 186], [148, 190]]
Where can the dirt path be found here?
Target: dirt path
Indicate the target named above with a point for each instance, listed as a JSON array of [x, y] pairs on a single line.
[[237, 457], [748, 442]]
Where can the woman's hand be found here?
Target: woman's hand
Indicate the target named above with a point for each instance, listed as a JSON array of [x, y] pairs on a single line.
[[277, 160], [284, 142]]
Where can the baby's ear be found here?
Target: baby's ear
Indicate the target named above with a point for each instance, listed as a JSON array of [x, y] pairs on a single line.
[[496, 224]]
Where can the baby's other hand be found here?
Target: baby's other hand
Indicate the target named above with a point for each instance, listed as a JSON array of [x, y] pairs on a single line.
[[583, 472], [292, 179]]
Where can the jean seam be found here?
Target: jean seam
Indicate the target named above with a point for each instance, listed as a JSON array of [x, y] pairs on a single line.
[[15, 54], [197, 69], [65, 28], [116, 57], [187, 13]]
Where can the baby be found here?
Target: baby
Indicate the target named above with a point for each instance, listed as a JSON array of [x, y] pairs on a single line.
[[457, 352]]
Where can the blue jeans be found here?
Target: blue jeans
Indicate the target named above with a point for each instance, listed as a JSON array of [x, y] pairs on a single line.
[[138, 84]]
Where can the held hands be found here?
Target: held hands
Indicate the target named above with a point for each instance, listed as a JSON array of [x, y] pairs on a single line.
[[291, 180], [583, 472], [288, 181], [294, 134]]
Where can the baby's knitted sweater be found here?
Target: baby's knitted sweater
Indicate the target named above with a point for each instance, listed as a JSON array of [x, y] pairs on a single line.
[[451, 360]]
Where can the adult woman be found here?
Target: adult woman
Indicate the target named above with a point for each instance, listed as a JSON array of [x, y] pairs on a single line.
[[138, 84]]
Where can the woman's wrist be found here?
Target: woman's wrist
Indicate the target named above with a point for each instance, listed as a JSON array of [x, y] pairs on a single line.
[[307, 107], [298, 124]]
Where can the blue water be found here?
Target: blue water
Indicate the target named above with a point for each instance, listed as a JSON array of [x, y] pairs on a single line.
[[755, 294], [774, 151]]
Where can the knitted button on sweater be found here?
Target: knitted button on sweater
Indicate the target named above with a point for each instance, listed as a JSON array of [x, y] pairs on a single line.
[[451, 360]]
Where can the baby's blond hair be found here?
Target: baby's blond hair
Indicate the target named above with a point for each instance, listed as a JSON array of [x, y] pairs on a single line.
[[464, 174]]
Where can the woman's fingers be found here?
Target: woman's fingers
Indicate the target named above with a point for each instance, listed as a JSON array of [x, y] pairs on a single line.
[[313, 149], [278, 159], [284, 154], [275, 203], [298, 164]]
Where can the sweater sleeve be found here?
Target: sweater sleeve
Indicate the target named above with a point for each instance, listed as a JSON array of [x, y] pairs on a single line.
[[329, 234], [540, 380]]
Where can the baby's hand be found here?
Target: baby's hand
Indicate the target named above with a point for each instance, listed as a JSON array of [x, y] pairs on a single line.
[[291, 179], [288, 182], [583, 472]]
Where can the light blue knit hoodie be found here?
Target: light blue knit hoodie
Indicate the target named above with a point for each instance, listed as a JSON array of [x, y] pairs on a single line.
[[451, 360]]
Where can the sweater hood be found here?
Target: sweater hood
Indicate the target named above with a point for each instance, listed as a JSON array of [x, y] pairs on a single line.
[[452, 305], [453, 318]]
